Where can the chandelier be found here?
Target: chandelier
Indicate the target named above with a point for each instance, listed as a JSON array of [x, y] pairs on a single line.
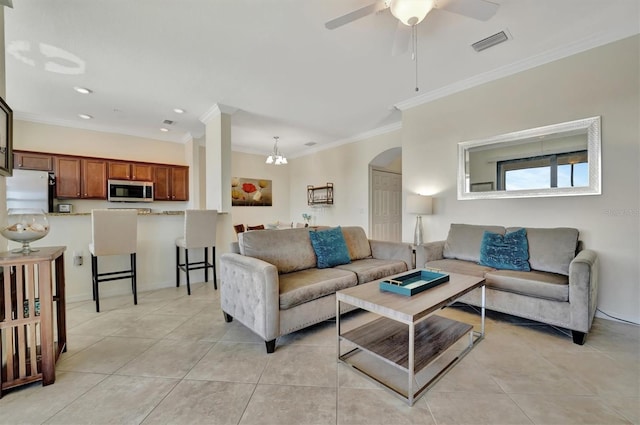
[[276, 156]]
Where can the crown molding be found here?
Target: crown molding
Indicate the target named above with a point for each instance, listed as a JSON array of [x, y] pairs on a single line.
[[215, 111], [315, 149], [175, 137], [362, 136], [593, 41]]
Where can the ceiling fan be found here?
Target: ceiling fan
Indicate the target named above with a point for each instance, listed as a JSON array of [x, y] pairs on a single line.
[[412, 12]]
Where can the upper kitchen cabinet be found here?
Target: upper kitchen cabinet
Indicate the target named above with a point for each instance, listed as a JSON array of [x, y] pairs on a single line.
[[94, 178], [81, 178], [68, 175], [32, 161], [142, 172], [171, 183], [121, 170]]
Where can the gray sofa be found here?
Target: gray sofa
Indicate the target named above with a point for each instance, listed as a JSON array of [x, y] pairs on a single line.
[[273, 287], [561, 288]]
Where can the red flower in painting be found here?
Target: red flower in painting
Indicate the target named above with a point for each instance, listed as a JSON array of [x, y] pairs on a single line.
[[249, 187]]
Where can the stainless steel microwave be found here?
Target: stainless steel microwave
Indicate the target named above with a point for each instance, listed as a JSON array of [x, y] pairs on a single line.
[[130, 191]]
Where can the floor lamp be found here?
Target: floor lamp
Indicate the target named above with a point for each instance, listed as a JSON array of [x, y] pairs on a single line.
[[420, 205]]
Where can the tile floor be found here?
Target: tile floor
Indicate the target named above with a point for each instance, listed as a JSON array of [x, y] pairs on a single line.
[[172, 359]]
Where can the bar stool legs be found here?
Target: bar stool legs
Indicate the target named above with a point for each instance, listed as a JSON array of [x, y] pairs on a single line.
[[188, 266], [97, 278], [199, 233]]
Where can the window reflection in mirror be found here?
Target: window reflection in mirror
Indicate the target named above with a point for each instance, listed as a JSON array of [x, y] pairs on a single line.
[[561, 159]]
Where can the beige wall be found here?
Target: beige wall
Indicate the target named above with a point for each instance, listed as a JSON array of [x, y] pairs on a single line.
[[56, 139], [602, 81], [253, 167], [347, 167]]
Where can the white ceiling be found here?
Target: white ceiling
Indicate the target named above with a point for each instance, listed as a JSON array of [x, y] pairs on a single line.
[[272, 61]]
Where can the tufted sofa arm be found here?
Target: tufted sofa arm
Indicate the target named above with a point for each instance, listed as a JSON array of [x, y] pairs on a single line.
[[249, 292], [583, 289]]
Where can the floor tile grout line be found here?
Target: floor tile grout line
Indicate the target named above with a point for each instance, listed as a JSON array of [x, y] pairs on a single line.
[[105, 376]]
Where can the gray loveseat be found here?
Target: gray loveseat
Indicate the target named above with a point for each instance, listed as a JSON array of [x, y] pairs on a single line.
[[560, 289], [273, 287]]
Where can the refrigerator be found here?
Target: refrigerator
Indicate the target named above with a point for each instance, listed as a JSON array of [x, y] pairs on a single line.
[[30, 189]]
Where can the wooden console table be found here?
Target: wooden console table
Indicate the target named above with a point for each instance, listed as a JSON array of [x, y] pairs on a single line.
[[32, 300]]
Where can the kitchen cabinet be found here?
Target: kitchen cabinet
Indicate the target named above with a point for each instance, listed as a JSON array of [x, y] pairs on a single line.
[[84, 178], [68, 183], [142, 172], [94, 178], [171, 183], [32, 161], [120, 170]]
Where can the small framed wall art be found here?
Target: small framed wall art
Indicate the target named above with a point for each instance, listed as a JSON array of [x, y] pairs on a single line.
[[250, 192]]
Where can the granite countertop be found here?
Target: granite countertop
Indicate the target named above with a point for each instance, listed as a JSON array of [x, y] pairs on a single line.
[[57, 214]]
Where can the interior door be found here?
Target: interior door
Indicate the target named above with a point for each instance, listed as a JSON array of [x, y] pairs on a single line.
[[386, 205]]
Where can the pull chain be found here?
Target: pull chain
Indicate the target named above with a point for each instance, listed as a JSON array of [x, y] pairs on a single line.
[[414, 48]]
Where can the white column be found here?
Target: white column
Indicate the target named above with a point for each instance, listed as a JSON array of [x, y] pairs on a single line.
[[191, 155], [217, 123]]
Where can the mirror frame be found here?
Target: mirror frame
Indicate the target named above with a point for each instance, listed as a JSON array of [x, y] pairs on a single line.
[[592, 129]]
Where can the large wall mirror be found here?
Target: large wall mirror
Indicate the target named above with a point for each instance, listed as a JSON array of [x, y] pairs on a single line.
[[555, 160]]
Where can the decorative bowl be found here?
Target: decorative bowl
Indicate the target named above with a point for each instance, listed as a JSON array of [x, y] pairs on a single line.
[[25, 225]]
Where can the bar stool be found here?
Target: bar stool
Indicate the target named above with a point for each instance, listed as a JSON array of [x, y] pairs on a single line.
[[199, 232], [113, 232]]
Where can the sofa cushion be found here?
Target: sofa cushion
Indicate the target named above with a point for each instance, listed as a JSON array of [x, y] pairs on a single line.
[[330, 247], [289, 249], [507, 252], [458, 266], [357, 242], [538, 284], [369, 269], [551, 250], [463, 241], [307, 285]]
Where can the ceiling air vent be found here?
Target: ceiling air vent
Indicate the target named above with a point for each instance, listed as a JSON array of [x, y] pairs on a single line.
[[167, 122], [490, 41]]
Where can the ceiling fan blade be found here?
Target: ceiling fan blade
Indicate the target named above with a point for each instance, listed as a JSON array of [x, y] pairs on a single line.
[[481, 10], [401, 39], [356, 14]]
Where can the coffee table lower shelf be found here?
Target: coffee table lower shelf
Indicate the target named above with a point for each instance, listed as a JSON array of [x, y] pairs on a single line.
[[389, 341]]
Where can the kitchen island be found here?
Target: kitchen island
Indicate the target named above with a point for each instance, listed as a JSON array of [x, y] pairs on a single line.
[[157, 232]]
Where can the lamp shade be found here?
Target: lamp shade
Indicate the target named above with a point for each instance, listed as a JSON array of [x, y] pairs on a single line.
[[411, 12], [419, 204]]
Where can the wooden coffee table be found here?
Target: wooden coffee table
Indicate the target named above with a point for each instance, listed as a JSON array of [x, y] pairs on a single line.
[[406, 335]]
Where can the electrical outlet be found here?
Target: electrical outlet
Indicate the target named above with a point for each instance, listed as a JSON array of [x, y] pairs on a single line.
[[77, 258]]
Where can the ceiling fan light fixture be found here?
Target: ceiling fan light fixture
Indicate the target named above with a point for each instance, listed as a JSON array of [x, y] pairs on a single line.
[[410, 12]]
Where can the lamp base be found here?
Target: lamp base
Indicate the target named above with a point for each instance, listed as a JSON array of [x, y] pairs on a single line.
[[417, 235]]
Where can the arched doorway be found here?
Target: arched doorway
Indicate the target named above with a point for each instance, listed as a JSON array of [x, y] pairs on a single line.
[[385, 196]]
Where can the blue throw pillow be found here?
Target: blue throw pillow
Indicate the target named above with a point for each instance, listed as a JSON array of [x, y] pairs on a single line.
[[330, 247], [508, 252]]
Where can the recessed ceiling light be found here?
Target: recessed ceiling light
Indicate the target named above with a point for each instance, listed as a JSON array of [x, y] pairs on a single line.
[[85, 116], [82, 90], [178, 111], [164, 130]]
